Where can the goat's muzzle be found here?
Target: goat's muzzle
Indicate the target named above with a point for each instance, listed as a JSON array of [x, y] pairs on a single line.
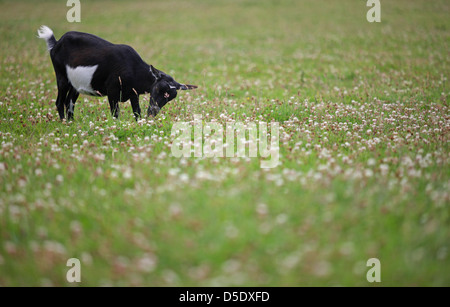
[[153, 110]]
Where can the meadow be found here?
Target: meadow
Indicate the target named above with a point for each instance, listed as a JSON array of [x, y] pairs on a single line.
[[364, 152]]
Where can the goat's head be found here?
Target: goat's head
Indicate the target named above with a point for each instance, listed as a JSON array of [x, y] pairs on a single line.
[[164, 90]]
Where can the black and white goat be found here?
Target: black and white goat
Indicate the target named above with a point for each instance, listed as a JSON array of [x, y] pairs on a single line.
[[87, 64]]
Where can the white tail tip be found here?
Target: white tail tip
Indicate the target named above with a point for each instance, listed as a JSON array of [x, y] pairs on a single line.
[[45, 32]]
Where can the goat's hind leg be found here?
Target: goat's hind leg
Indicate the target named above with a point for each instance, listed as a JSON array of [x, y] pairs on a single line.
[[63, 88], [69, 103]]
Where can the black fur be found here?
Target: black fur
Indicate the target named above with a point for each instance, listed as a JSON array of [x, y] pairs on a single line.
[[121, 74]]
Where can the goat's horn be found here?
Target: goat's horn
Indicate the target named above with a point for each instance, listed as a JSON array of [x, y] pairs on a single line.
[[188, 86]]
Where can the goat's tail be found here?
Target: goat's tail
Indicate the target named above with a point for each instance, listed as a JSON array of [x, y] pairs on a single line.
[[46, 33]]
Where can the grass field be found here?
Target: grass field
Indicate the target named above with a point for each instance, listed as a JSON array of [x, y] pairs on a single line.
[[364, 148]]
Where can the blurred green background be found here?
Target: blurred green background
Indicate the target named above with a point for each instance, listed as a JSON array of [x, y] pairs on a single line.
[[363, 111]]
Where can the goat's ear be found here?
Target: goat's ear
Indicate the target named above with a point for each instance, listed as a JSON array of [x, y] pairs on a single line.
[[156, 73]]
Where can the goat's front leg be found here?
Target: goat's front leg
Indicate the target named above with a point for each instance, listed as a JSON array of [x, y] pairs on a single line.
[[135, 105], [113, 99]]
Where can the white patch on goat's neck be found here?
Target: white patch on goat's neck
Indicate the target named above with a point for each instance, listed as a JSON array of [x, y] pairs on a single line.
[[80, 77]]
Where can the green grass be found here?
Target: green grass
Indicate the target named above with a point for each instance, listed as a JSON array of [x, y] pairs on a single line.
[[364, 148]]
